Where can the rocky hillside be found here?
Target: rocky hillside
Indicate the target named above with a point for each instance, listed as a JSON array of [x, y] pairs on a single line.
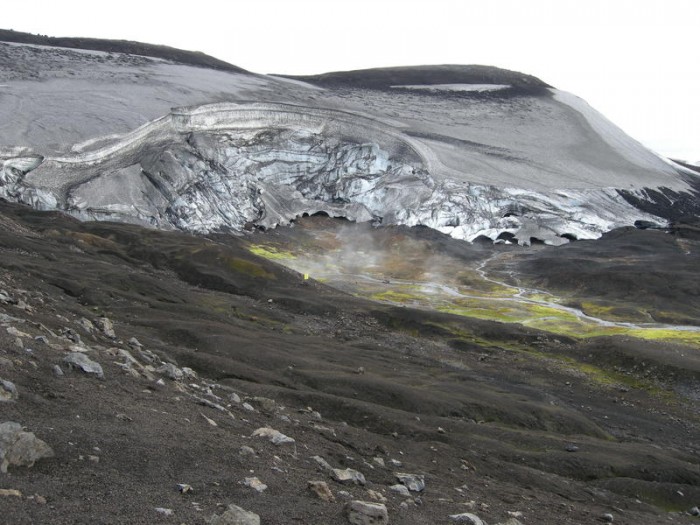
[[152, 377], [159, 365]]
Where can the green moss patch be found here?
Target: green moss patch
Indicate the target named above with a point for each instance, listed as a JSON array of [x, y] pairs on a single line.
[[270, 252]]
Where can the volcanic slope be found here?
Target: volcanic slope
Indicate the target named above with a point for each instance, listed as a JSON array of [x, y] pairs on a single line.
[[189, 344], [497, 418], [456, 148]]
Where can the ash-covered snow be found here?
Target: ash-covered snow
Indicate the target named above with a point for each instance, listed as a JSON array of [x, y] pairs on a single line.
[[94, 134]]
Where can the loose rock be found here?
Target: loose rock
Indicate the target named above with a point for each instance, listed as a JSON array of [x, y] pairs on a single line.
[[246, 451], [348, 475], [84, 363], [188, 373], [323, 464], [366, 513], [376, 496], [106, 327], [71, 335], [20, 448], [14, 493], [171, 371], [22, 305], [235, 515], [8, 391], [148, 357], [209, 420], [413, 482], [85, 324], [255, 483], [265, 404], [322, 490], [401, 490], [467, 517], [210, 404], [81, 348], [17, 333], [607, 517], [275, 436]]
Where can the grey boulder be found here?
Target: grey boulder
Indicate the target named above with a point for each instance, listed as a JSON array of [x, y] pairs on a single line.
[[8, 391], [366, 513], [81, 361], [20, 448], [235, 515]]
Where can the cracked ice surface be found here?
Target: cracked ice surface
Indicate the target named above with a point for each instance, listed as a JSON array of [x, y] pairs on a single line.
[[226, 166]]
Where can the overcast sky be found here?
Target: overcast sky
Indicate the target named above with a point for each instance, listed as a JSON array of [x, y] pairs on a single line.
[[638, 62]]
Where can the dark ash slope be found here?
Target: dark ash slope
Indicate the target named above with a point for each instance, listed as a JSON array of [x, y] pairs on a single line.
[[509, 400], [192, 58]]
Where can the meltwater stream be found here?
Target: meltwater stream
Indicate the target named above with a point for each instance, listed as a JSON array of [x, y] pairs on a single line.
[[522, 293], [409, 268], [436, 289]]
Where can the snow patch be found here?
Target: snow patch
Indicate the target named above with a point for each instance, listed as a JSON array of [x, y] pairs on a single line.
[[455, 87]]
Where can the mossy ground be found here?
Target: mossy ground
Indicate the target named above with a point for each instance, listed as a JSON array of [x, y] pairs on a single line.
[[406, 272], [270, 252]]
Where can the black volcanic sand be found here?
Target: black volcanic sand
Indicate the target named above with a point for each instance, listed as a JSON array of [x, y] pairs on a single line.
[[484, 407]]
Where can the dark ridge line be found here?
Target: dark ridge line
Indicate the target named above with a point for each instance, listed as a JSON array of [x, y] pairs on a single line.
[[384, 78], [181, 56]]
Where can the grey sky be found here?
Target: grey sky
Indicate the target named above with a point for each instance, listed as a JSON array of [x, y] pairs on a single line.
[[635, 61]]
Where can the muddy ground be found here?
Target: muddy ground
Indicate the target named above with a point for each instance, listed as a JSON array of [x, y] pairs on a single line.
[[502, 421]]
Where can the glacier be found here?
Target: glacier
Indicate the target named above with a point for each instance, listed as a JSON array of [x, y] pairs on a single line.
[[249, 151], [229, 166]]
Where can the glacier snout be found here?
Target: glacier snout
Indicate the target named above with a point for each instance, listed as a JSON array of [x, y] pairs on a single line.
[[232, 166]]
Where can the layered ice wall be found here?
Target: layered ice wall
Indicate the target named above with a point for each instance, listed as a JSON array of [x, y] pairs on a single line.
[[232, 166]]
